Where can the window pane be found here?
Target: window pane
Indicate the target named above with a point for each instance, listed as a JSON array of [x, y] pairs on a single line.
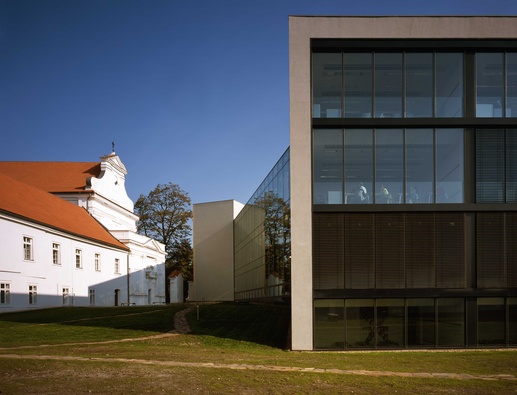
[[491, 321], [419, 167], [326, 85], [489, 85], [449, 85], [511, 85], [358, 166], [419, 85], [329, 324], [358, 85], [421, 322], [390, 323], [328, 166], [360, 323], [388, 85], [389, 165], [449, 164], [512, 320], [451, 322], [490, 166], [511, 166]]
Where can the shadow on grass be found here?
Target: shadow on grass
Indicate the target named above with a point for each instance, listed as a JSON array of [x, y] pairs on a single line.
[[264, 324]]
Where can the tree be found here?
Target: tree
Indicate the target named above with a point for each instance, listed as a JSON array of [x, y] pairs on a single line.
[[165, 216]]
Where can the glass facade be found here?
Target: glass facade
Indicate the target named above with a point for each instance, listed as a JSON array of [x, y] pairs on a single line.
[[262, 242], [414, 191], [388, 166]]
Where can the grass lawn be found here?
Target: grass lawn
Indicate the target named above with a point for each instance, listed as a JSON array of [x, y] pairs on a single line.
[[233, 349]]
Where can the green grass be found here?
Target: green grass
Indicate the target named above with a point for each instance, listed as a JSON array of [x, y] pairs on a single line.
[[225, 333]]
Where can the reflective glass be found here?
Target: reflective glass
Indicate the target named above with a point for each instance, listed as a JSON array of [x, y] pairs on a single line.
[[449, 85], [328, 166], [449, 164], [360, 323], [327, 85], [389, 165], [421, 322], [390, 323], [451, 322], [489, 85], [358, 85], [358, 166], [419, 85], [511, 85], [512, 321], [420, 167], [329, 324], [511, 166], [388, 85], [491, 321]]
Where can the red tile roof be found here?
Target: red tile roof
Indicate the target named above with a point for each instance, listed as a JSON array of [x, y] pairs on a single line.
[[35, 205], [52, 177]]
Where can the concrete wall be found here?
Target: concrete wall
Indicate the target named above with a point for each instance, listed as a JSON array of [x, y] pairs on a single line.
[[213, 250], [301, 30]]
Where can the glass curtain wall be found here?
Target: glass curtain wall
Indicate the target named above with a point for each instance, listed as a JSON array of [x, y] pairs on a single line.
[[263, 239], [388, 166]]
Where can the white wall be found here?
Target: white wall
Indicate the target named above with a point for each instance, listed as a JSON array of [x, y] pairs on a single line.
[[49, 278], [213, 250]]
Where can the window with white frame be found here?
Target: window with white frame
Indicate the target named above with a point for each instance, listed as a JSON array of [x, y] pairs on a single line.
[[5, 293], [92, 296], [78, 259], [33, 294], [27, 249], [56, 254], [117, 266], [97, 262]]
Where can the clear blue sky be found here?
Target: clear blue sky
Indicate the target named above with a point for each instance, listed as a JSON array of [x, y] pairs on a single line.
[[194, 92]]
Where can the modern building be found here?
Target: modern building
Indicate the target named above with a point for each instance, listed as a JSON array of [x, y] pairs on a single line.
[[68, 237], [391, 220], [404, 221]]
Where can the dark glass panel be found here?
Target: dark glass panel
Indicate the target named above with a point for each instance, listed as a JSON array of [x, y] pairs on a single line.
[[449, 85], [329, 324], [511, 166], [419, 167], [451, 322], [328, 166], [490, 165], [511, 85], [490, 245], [511, 249], [360, 323], [359, 251], [328, 266], [388, 85], [449, 164], [358, 166], [358, 85], [491, 321], [421, 322], [389, 251], [419, 85], [450, 250], [512, 321], [327, 85], [420, 250], [390, 323], [489, 85], [389, 165]]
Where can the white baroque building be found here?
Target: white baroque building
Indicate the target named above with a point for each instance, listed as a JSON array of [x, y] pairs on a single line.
[[68, 237]]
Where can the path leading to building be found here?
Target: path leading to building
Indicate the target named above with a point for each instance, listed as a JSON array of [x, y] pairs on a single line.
[[182, 327]]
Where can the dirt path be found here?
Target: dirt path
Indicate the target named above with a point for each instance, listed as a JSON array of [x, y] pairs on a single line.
[[182, 327]]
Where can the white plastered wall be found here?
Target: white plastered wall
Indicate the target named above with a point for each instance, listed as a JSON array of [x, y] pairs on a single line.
[[301, 31]]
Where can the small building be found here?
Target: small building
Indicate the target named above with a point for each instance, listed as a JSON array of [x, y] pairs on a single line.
[[176, 287]]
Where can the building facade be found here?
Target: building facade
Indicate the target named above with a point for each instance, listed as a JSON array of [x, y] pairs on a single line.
[[69, 238], [403, 222]]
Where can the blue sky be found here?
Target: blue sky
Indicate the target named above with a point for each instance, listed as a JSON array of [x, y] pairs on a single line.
[[194, 92]]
